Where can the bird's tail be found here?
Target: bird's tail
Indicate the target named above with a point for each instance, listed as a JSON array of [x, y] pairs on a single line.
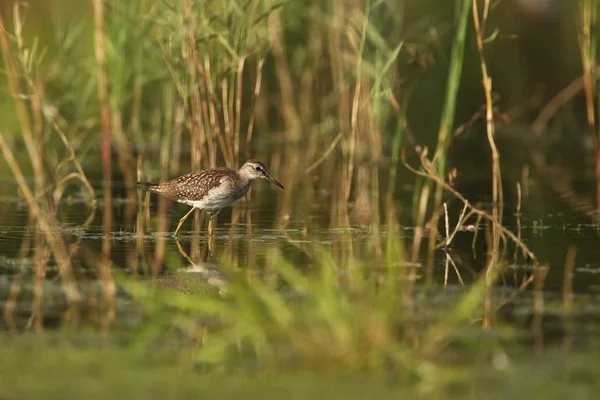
[[145, 185]]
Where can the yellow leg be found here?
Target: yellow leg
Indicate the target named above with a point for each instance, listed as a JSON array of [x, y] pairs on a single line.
[[212, 222], [182, 251], [211, 246], [183, 219]]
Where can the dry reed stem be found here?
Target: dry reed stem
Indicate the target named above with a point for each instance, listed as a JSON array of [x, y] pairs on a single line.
[[355, 128], [208, 114], [176, 134], [226, 140], [449, 261], [46, 222], [449, 240], [457, 227], [257, 87], [198, 113], [14, 85], [429, 174], [336, 60], [108, 284], [41, 252], [479, 26], [36, 97], [288, 109], [475, 232], [589, 76], [238, 113], [447, 223], [588, 45], [210, 108], [518, 213], [203, 114]]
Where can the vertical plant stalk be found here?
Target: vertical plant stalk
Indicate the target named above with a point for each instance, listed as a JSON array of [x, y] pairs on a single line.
[[257, 87], [287, 86], [104, 267], [335, 52], [588, 44], [201, 134], [163, 203], [238, 111], [448, 111], [397, 141], [226, 139], [354, 127], [490, 129]]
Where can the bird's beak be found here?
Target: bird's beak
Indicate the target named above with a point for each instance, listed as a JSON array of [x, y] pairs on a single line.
[[273, 180]]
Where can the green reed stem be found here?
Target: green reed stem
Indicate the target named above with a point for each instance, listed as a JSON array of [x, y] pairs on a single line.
[[449, 109]]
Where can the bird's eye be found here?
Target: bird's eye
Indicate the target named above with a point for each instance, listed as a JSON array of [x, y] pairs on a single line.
[[258, 169]]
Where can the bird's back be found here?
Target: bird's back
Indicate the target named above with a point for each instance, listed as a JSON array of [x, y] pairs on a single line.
[[193, 186]]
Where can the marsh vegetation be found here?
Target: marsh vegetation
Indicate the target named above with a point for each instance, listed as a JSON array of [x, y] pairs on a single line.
[[437, 234]]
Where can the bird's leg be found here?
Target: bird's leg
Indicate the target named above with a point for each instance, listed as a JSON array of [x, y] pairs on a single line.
[[210, 225], [212, 221], [182, 251], [183, 219]]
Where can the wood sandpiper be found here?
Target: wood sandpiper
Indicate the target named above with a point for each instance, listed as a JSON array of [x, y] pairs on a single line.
[[211, 189]]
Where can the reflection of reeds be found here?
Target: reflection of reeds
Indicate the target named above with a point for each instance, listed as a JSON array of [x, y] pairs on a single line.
[[323, 320]]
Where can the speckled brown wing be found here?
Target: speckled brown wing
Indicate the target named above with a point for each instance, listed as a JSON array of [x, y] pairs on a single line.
[[193, 186]]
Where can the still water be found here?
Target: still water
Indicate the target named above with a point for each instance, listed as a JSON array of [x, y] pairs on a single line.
[[247, 232], [559, 312]]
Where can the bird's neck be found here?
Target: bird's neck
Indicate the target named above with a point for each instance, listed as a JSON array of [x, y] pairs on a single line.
[[244, 179]]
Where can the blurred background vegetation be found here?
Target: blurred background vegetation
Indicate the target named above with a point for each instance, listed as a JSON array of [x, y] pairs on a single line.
[[161, 58]]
